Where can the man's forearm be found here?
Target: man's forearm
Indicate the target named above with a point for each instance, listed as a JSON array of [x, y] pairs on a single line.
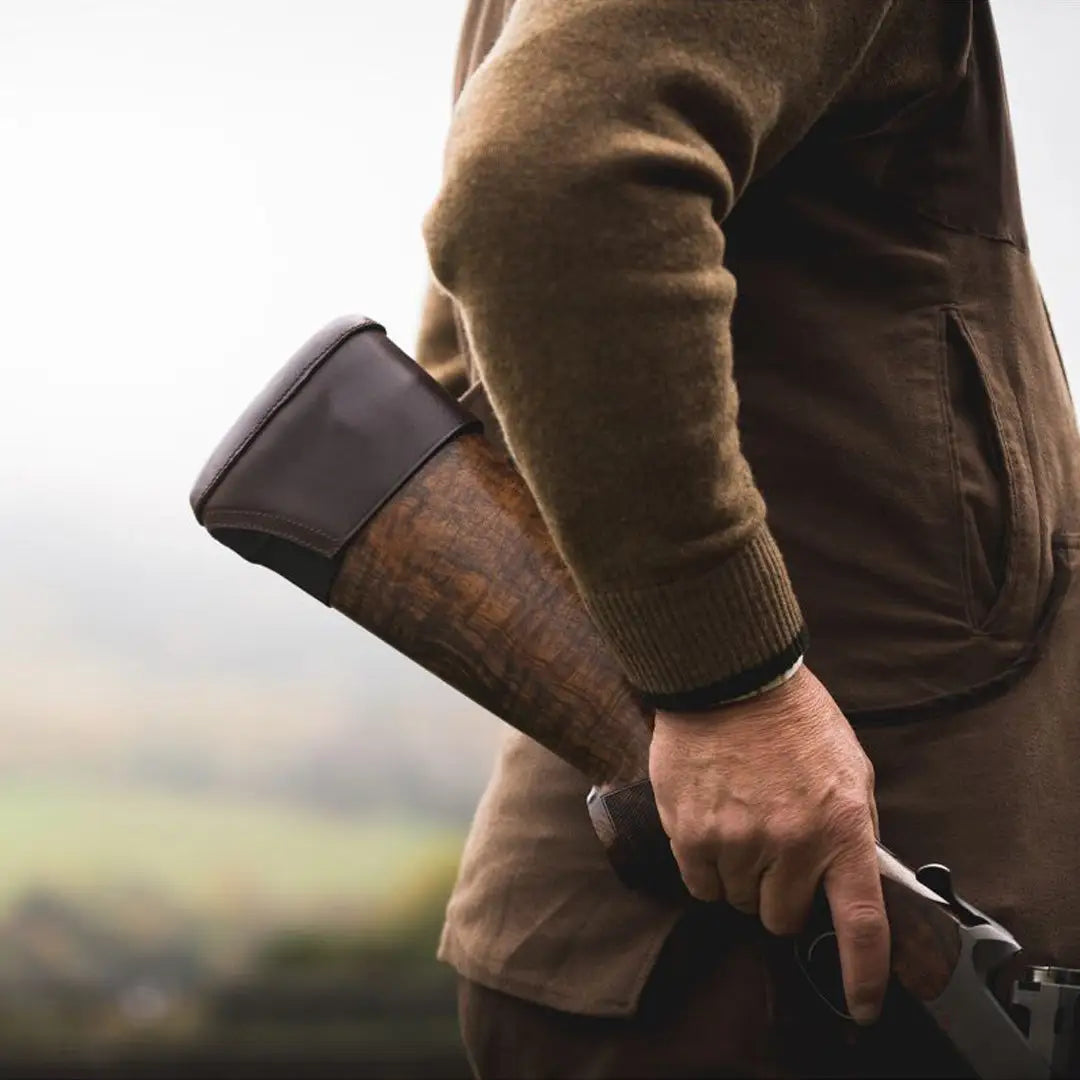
[[578, 230]]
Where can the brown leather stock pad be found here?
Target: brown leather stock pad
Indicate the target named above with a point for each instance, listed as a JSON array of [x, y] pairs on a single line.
[[334, 435], [340, 478]]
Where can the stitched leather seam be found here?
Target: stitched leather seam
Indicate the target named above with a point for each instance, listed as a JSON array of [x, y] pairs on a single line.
[[216, 517]]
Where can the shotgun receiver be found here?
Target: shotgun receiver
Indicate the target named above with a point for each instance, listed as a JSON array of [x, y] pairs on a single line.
[[358, 478]]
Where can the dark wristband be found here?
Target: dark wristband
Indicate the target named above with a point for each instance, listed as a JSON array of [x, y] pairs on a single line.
[[706, 698]]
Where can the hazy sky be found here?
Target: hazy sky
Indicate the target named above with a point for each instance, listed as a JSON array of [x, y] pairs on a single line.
[[188, 190]]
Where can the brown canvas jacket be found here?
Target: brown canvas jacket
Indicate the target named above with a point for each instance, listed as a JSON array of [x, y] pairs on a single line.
[[902, 410]]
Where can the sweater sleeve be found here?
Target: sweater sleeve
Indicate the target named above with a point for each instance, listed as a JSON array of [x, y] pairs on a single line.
[[438, 350], [591, 162]]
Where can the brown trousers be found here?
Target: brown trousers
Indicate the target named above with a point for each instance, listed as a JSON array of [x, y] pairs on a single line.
[[724, 1000]]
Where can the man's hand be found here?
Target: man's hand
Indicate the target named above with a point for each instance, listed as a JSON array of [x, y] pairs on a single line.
[[764, 798]]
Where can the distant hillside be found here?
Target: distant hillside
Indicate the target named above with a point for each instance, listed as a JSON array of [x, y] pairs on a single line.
[[156, 654], [215, 854]]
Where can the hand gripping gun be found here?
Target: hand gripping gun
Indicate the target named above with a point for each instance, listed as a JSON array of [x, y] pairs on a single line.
[[358, 478]]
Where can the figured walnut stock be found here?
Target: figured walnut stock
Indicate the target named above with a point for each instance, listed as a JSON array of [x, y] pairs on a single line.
[[459, 573]]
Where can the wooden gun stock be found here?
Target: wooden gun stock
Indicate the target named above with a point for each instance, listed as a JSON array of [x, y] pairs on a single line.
[[458, 572]]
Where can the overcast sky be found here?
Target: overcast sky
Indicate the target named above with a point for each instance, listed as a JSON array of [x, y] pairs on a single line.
[[189, 189]]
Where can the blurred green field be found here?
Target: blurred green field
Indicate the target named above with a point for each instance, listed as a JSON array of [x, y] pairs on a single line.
[[148, 932], [208, 850]]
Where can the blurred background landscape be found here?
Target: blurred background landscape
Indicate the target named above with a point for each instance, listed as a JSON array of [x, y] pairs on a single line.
[[229, 820]]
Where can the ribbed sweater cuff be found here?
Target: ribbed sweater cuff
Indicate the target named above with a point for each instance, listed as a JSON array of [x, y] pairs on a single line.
[[697, 642]]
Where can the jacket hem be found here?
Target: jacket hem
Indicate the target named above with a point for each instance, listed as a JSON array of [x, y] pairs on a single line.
[[544, 990]]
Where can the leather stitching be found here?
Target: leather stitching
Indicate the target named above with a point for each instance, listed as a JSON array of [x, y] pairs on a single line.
[[217, 517]]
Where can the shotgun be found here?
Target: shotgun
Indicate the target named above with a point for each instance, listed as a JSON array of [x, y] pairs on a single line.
[[358, 478]]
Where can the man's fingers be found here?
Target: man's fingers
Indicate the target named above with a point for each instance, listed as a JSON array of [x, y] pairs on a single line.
[[787, 893], [853, 887], [739, 867], [699, 875]]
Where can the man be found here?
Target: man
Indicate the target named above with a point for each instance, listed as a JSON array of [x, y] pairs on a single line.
[[897, 471]]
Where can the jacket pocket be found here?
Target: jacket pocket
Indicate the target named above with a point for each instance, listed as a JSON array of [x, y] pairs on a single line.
[[996, 515]]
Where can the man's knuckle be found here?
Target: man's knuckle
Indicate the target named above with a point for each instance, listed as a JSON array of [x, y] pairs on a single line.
[[699, 890], [792, 832], [748, 902], [776, 922], [782, 921], [694, 838], [850, 812], [870, 774], [741, 833], [865, 923], [685, 854]]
